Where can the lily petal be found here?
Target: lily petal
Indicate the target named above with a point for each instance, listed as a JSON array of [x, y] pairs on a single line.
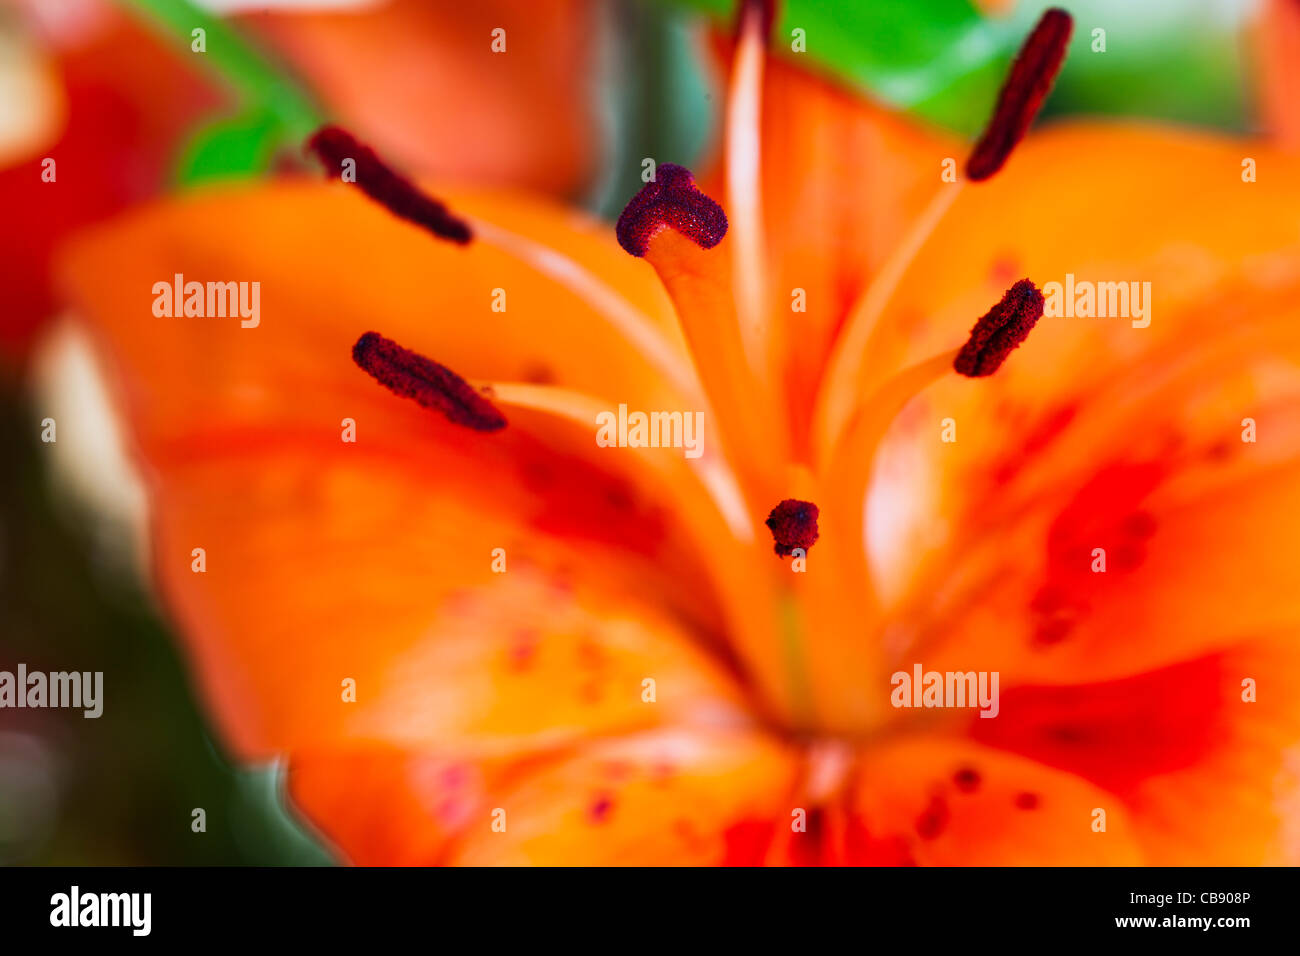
[[1005, 517], [421, 80], [1018, 813], [239, 430], [330, 567], [1206, 766], [667, 798], [842, 180]]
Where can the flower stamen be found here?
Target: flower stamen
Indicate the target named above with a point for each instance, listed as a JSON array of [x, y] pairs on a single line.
[[1000, 331], [434, 386], [1022, 96], [333, 146], [848, 371]]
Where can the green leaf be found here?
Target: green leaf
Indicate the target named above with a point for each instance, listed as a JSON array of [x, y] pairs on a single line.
[[939, 59], [255, 78], [231, 148], [943, 61], [274, 108]]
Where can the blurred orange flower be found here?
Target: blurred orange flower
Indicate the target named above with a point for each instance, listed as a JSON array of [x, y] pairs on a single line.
[[111, 137], [420, 80], [412, 74], [482, 645]]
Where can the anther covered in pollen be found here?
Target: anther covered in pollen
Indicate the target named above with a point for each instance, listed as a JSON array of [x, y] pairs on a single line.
[[1000, 331], [1022, 95], [793, 524], [671, 201], [435, 386], [385, 186]]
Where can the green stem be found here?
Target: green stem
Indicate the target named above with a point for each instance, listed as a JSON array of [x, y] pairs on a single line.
[[255, 79]]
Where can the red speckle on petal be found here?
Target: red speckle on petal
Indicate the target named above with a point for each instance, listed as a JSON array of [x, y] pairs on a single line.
[[601, 808], [933, 819]]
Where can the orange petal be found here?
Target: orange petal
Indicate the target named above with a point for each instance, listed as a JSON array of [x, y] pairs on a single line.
[[387, 806], [842, 180], [1014, 812], [670, 798], [1027, 223], [331, 266], [400, 528], [1207, 772], [1190, 521], [1121, 421], [1277, 40], [330, 566], [421, 81]]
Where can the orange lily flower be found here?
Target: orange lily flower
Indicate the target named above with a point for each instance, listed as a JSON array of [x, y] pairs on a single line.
[[479, 637]]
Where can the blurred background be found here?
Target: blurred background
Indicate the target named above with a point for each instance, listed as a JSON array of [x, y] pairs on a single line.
[[118, 95]]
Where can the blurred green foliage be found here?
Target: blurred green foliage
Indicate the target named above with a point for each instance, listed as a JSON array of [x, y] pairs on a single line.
[[125, 784], [944, 61]]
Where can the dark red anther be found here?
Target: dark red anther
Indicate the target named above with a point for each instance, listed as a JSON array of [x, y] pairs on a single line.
[[794, 525], [1022, 96], [385, 186], [435, 386], [1000, 331], [670, 201]]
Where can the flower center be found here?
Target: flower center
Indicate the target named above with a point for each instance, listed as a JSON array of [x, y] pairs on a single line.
[[719, 291]]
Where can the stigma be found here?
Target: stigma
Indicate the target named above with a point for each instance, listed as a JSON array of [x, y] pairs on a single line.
[[793, 524], [670, 201]]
